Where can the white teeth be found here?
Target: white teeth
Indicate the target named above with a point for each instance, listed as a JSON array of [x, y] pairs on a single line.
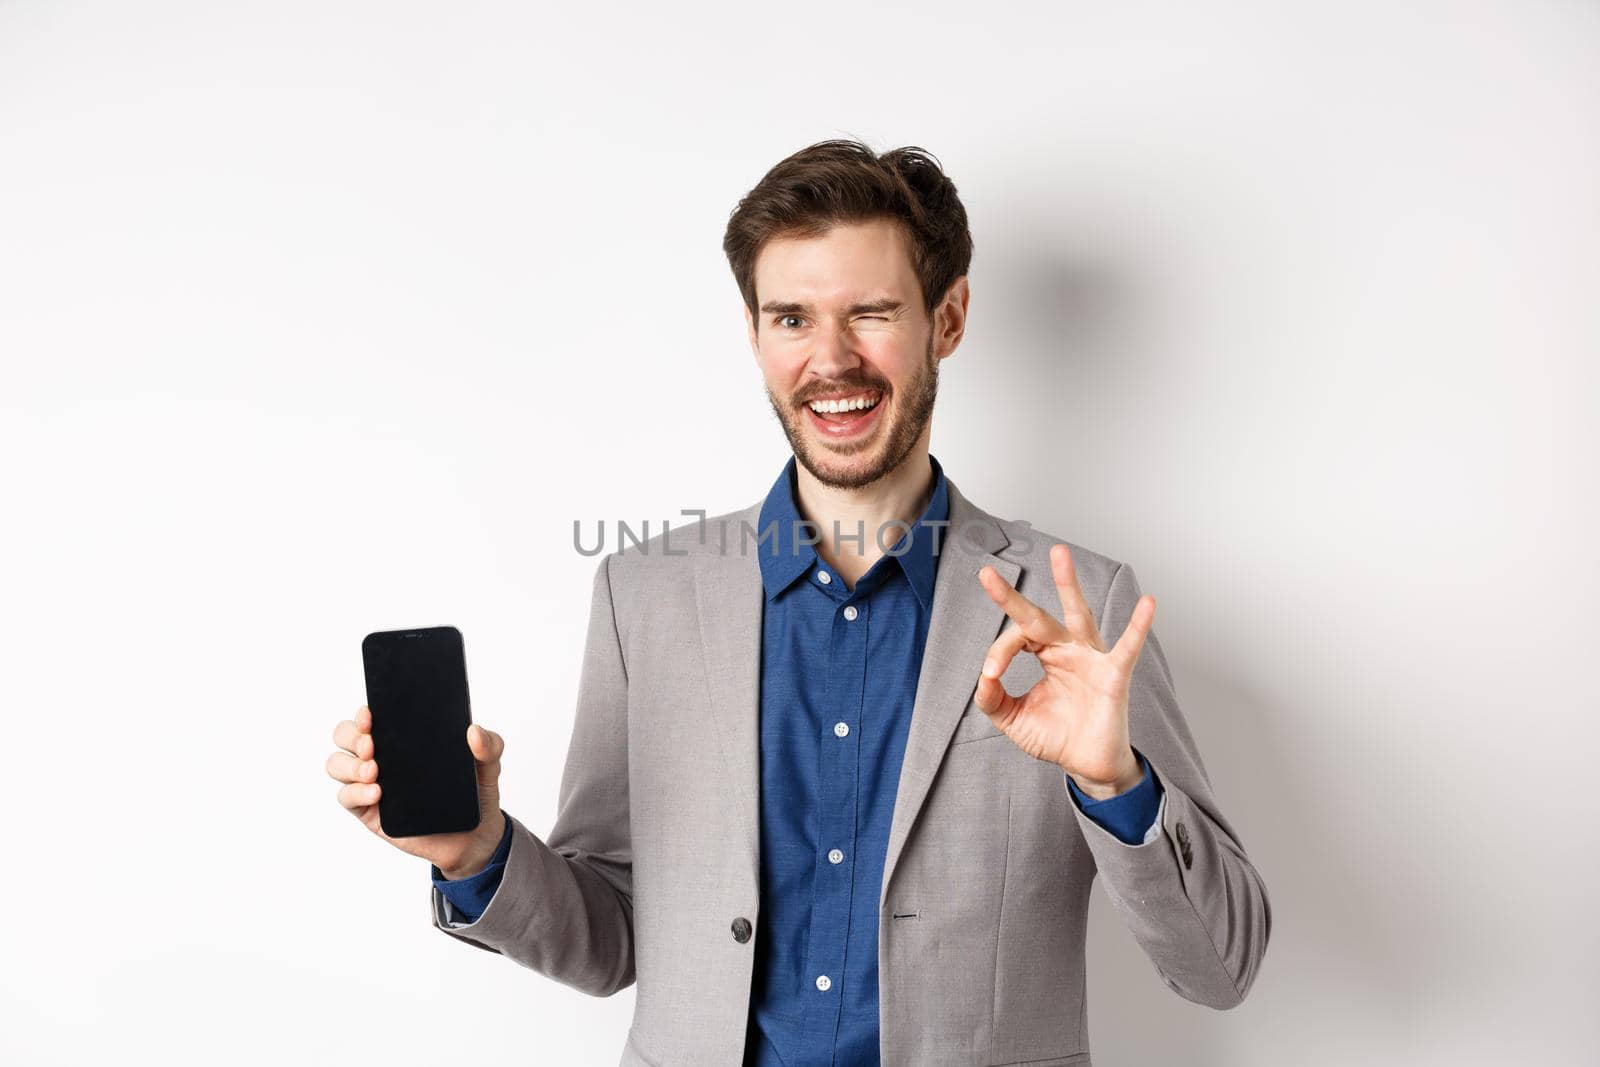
[[833, 407]]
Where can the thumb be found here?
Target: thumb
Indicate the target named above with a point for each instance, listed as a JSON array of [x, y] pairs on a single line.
[[487, 748]]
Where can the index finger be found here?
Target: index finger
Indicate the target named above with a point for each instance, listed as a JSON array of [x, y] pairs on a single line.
[[1036, 623], [349, 733]]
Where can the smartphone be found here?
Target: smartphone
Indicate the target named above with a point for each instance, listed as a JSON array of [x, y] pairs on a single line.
[[417, 690]]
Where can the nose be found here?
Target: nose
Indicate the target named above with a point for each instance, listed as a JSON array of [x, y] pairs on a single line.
[[833, 352]]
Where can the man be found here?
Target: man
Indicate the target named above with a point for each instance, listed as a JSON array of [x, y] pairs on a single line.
[[816, 805]]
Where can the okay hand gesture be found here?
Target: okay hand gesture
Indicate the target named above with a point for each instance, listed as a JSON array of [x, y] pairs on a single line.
[[1076, 716]]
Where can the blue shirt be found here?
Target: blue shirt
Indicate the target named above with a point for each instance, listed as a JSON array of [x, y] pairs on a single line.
[[839, 672]]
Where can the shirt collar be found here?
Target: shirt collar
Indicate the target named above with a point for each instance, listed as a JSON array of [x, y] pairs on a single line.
[[783, 558]]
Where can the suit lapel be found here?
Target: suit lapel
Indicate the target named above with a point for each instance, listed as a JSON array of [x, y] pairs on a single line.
[[729, 599], [965, 622]]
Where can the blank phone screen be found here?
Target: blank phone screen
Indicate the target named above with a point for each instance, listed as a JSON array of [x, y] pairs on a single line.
[[417, 690]]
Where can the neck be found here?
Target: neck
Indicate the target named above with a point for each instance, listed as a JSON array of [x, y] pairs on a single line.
[[901, 496]]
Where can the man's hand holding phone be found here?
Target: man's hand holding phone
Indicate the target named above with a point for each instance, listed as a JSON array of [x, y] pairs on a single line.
[[457, 855]]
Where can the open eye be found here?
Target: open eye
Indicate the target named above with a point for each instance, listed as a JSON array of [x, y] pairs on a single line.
[[782, 319]]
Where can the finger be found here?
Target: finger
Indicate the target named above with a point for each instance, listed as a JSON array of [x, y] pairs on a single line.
[[345, 734], [349, 736], [1036, 622], [487, 748], [486, 745], [1075, 611], [1003, 651], [993, 700], [343, 767], [358, 795], [1128, 646]]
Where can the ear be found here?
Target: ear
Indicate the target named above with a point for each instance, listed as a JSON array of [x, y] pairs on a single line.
[[950, 318]]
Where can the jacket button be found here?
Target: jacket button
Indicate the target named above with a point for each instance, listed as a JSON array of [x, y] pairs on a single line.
[[741, 929]]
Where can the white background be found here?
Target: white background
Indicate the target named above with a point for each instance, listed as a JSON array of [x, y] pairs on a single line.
[[319, 318]]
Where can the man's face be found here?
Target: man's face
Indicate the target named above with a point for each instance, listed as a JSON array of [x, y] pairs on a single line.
[[841, 319]]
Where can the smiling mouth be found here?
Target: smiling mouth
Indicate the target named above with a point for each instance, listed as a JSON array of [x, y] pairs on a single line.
[[847, 407]]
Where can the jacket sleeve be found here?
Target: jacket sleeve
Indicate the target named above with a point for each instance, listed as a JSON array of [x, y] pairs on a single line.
[[467, 897], [1130, 817], [564, 908], [1189, 894]]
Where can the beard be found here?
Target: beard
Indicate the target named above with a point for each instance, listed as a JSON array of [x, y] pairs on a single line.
[[892, 443]]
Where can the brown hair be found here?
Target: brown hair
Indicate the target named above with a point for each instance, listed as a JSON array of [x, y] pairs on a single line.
[[840, 181]]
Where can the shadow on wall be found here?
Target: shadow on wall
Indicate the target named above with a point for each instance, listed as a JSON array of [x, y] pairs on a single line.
[[1098, 347], [1335, 938]]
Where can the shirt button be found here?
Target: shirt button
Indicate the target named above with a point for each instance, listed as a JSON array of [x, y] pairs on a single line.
[[823, 982], [835, 856], [840, 729], [824, 577], [850, 612]]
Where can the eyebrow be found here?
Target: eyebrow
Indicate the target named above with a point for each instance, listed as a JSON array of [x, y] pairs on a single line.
[[776, 307]]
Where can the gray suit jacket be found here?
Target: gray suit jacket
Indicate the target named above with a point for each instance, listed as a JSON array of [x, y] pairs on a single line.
[[654, 853]]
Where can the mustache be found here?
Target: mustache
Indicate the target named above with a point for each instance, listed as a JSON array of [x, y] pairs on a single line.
[[841, 387]]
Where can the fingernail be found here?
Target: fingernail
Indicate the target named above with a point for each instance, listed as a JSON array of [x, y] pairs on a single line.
[[988, 668]]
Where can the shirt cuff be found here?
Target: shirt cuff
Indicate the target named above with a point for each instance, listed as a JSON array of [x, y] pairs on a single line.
[[470, 896], [1129, 816]]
